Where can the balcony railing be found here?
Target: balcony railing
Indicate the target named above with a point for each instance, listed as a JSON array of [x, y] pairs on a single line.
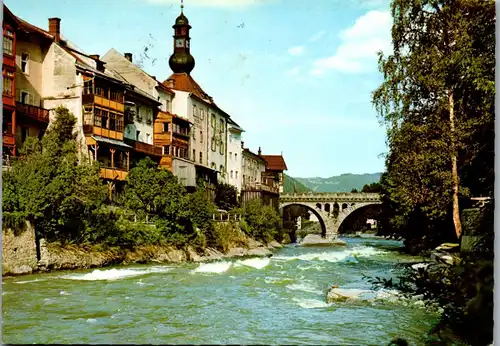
[[8, 139], [34, 112], [144, 147], [113, 173], [260, 186]]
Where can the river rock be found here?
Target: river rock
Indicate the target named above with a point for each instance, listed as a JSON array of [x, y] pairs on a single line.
[[275, 244], [339, 295], [254, 244], [261, 252], [236, 251], [193, 255], [317, 240]]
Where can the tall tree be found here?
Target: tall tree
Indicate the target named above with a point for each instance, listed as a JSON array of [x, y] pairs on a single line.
[[437, 96]]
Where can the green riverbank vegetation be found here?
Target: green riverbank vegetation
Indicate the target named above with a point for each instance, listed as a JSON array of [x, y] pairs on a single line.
[[437, 103], [54, 186]]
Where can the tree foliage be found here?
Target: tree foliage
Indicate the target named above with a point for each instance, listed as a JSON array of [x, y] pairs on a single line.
[[226, 196], [442, 49], [49, 184]]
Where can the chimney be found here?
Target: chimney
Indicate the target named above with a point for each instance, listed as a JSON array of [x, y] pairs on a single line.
[[55, 28], [171, 83], [260, 152], [98, 63], [128, 56]]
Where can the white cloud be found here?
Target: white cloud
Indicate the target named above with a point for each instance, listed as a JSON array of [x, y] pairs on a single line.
[[297, 50], [359, 45], [211, 3], [293, 71], [317, 36]]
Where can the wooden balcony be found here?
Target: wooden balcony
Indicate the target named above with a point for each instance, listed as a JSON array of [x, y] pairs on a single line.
[[144, 147], [8, 139], [34, 112], [103, 102], [113, 173], [99, 131], [181, 135]]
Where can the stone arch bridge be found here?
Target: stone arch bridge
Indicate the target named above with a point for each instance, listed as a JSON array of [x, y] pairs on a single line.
[[331, 209]]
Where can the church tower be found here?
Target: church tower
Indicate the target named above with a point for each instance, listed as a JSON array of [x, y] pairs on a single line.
[[181, 61]]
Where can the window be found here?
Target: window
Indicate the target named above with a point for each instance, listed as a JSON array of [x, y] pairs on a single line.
[[194, 155], [97, 117], [166, 150], [104, 119], [201, 136], [119, 123], [213, 121], [166, 127], [25, 60], [221, 126], [194, 134], [231, 174], [112, 121], [235, 156], [195, 111], [26, 97], [221, 148], [202, 114], [8, 82], [137, 135], [230, 155], [168, 106], [236, 174], [148, 136], [214, 144], [201, 157], [8, 42]]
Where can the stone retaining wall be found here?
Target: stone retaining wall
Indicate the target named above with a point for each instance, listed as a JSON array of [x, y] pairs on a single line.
[[19, 251]]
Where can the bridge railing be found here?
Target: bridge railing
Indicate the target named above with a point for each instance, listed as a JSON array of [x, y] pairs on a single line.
[[333, 195]]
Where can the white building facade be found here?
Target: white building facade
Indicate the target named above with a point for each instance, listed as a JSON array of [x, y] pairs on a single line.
[[234, 155]]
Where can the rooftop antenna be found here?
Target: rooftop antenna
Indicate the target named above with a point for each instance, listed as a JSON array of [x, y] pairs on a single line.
[[182, 5]]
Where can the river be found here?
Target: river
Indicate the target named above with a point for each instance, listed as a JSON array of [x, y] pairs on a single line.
[[278, 300]]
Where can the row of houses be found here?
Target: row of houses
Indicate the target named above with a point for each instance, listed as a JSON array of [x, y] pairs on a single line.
[[125, 114]]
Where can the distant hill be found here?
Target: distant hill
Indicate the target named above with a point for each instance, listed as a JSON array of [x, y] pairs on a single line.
[[291, 185], [342, 183]]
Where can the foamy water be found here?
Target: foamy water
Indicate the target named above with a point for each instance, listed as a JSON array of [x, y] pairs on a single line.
[[257, 263], [304, 287], [214, 267], [347, 255], [115, 274], [311, 303]]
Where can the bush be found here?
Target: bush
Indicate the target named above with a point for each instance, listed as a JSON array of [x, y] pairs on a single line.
[[260, 221]]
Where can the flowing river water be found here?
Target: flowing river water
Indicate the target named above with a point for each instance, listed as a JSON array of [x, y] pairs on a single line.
[[277, 300]]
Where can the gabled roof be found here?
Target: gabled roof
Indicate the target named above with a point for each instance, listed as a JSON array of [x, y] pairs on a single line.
[[255, 156], [184, 82], [275, 162]]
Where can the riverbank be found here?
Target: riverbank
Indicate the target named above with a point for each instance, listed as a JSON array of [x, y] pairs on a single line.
[[20, 255]]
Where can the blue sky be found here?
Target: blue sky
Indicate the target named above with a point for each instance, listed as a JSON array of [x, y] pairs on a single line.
[[297, 75]]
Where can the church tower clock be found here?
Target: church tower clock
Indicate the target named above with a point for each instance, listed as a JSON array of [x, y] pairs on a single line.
[[181, 61]]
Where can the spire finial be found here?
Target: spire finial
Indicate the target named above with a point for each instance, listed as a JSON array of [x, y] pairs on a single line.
[[182, 5]]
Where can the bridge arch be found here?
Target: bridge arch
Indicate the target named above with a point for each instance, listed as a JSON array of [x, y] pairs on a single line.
[[341, 205], [322, 219], [366, 210]]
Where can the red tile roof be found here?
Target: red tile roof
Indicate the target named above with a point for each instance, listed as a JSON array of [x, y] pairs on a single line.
[[24, 25], [275, 162], [184, 82]]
